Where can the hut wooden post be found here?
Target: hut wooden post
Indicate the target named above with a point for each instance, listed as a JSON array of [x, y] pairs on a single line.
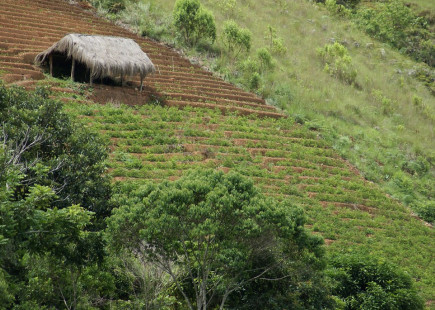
[[91, 79], [73, 67], [141, 82], [50, 60]]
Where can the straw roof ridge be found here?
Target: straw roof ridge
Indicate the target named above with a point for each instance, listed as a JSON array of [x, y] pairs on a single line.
[[106, 56]]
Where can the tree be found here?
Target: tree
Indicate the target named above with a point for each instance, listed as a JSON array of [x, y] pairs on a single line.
[[51, 150], [213, 234], [365, 282], [49, 245], [236, 39], [193, 21]]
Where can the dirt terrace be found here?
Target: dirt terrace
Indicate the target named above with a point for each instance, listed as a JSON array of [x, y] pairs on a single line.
[[28, 27]]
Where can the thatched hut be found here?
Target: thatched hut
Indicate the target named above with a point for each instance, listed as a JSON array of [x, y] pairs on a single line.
[[97, 57]]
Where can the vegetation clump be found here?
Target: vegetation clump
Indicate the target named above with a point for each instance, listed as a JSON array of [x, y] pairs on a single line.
[[395, 23], [214, 234], [53, 201], [338, 62], [194, 22], [364, 282], [236, 39]]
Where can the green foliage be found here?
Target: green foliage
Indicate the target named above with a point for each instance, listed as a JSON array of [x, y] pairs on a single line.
[[113, 6], [236, 39], [276, 44], [254, 81], [228, 7], [343, 4], [337, 62], [6, 296], [386, 104], [53, 151], [193, 21], [48, 165], [336, 8], [265, 59], [214, 233], [364, 282], [426, 210], [395, 23]]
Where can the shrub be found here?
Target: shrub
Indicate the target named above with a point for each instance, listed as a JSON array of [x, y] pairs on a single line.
[[265, 59], [236, 39], [254, 81], [112, 6], [336, 8], [385, 103], [349, 4], [337, 62], [426, 211], [364, 282], [194, 22], [276, 44], [228, 7], [395, 23]]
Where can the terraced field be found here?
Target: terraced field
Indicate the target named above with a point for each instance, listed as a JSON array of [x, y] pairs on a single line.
[[286, 160], [28, 27], [223, 127]]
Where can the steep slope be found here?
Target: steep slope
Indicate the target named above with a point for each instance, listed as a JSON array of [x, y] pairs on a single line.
[[152, 142]]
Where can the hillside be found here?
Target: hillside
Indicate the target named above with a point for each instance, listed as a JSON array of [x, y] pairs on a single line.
[[223, 127], [383, 124]]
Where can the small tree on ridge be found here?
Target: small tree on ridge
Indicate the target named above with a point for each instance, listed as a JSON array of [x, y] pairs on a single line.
[[194, 22]]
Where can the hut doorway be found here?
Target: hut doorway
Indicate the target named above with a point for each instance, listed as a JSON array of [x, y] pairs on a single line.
[[60, 66]]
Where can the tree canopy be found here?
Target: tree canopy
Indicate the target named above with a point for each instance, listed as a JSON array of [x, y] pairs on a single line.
[[193, 21], [209, 231], [52, 202]]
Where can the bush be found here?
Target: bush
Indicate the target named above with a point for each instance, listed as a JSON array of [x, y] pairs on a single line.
[[426, 211], [236, 39], [276, 44], [194, 22], [349, 4], [336, 8], [395, 23], [112, 6], [51, 186], [147, 19], [265, 59], [337, 62], [255, 81], [364, 282]]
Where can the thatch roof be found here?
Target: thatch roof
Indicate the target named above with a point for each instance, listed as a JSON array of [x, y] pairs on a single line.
[[105, 56]]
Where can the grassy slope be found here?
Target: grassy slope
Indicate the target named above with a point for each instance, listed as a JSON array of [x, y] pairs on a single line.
[[423, 5], [378, 140]]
